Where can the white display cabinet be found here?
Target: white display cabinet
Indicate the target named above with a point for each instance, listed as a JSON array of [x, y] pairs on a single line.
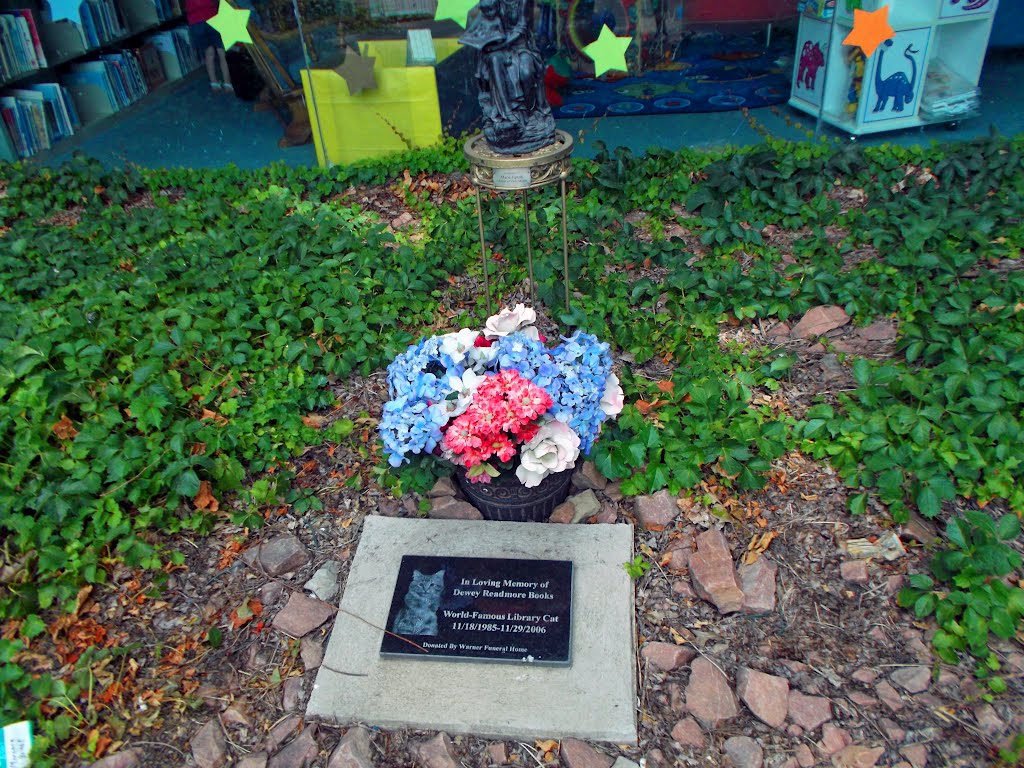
[[927, 72]]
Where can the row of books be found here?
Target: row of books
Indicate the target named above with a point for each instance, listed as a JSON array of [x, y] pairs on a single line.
[[168, 9], [38, 116], [101, 22], [21, 50], [41, 114]]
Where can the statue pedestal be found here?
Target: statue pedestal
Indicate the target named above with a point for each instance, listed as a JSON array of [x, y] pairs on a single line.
[[520, 173]]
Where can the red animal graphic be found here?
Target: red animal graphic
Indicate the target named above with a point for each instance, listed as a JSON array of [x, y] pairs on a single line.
[[811, 59]]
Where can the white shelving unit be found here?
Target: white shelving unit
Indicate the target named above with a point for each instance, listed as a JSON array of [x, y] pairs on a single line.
[[927, 72]]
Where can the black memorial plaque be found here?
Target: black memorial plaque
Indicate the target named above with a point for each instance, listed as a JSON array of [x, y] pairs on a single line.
[[489, 609]]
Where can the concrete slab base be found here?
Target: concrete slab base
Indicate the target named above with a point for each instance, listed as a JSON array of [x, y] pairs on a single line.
[[593, 699]]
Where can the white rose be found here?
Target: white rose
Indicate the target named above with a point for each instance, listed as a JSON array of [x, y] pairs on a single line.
[[463, 386], [531, 333], [481, 357], [457, 345], [554, 448], [611, 400], [509, 321]]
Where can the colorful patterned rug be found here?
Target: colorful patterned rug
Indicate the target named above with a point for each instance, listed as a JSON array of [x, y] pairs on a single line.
[[710, 72]]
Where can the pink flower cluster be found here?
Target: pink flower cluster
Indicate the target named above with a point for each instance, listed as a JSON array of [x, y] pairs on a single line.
[[504, 412]]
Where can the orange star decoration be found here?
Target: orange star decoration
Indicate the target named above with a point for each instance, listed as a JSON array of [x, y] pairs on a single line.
[[870, 29]]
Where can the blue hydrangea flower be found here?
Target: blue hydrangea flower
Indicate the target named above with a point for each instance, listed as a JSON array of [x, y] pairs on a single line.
[[574, 373]]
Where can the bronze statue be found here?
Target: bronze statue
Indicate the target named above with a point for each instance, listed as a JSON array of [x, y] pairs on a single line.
[[510, 73]]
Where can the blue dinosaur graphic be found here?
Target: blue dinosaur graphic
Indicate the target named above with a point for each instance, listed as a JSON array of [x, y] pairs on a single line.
[[896, 86]]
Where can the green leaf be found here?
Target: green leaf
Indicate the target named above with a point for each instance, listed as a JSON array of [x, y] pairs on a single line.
[[858, 503], [32, 626], [928, 502], [921, 581], [997, 685], [1008, 527], [958, 532], [924, 605], [187, 484]]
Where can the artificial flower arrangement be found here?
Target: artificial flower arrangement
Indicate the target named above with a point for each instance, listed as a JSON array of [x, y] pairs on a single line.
[[492, 399]]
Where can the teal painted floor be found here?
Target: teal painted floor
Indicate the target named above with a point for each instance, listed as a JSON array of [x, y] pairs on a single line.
[[188, 125]]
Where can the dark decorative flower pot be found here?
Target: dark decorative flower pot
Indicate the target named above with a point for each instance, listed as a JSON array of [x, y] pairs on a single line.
[[505, 498]]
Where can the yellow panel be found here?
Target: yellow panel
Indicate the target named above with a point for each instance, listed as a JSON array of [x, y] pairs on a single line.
[[349, 128], [445, 47], [389, 53]]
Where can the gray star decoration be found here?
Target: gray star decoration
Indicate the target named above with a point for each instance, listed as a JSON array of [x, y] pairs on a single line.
[[357, 71]]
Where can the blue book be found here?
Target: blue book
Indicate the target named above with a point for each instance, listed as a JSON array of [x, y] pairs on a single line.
[[92, 35], [95, 73], [69, 104], [55, 97]]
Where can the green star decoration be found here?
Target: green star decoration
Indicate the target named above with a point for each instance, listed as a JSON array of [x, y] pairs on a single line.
[[232, 24], [608, 52], [357, 71], [456, 10]]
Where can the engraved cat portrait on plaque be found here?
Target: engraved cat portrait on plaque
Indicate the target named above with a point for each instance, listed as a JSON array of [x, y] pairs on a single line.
[[475, 608]]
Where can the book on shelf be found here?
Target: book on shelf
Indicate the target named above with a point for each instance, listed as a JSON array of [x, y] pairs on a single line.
[[38, 116], [33, 29], [21, 50], [176, 52], [152, 66], [90, 86]]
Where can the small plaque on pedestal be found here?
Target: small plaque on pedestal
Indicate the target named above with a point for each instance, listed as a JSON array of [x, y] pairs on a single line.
[[485, 609], [512, 178]]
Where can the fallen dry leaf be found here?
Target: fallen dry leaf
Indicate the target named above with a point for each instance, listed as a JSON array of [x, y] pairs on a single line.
[[645, 407], [314, 420], [204, 499], [216, 417], [64, 429], [244, 613], [758, 545]]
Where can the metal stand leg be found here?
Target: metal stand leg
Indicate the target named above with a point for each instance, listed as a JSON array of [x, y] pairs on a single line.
[[565, 250], [768, 36], [483, 250], [529, 245]]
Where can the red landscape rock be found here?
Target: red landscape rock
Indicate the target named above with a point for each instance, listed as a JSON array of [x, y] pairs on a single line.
[[708, 695], [450, 508], [880, 330], [354, 750], [855, 571], [656, 512], [209, 747], [758, 584], [857, 757], [818, 321], [300, 752], [743, 752], [689, 733], [767, 696], [809, 711], [667, 656], [912, 679], [712, 572], [301, 615], [438, 752], [579, 754], [889, 696]]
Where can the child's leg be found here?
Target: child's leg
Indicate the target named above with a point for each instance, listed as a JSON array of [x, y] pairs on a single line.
[[211, 70], [226, 79]]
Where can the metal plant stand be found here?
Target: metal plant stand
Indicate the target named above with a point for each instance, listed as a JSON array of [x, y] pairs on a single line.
[[491, 170]]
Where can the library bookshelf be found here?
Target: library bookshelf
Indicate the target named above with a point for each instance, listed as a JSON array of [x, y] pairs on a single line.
[[60, 75], [926, 73]]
